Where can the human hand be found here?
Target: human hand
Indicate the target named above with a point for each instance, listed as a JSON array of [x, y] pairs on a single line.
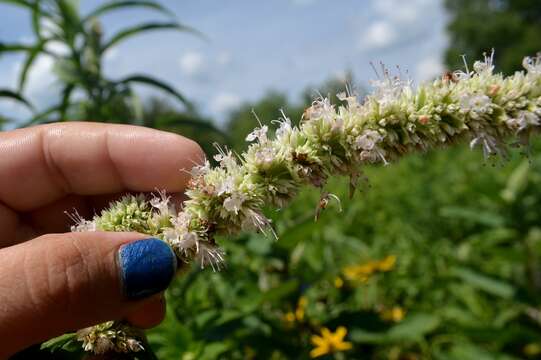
[[53, 281]]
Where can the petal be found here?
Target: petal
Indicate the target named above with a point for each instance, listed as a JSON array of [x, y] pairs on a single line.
[[326, 333], [343, 345], [340, 333], [318, 341], [319, 351]]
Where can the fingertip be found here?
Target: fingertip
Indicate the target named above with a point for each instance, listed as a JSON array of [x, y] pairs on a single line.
[[149, 314]]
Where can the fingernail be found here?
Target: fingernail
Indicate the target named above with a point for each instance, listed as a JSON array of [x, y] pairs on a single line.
[[146, 266]]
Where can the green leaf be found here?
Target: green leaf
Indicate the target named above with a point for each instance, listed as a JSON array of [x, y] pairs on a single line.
[[66, 94], [135, 30], [42, 116], [147, 80], [473, 215], [14, 47], [411, 329], [517, 182], [119, 5], [36, 18], [15, 96], [31, 57], [414, 327], [485, 283], [213, 350], [281, 291], [67, 71], [59, 342]]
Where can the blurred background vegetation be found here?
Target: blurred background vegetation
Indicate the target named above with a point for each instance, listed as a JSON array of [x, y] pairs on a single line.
[[436, 257]]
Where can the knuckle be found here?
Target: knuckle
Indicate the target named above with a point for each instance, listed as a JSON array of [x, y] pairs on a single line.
[[63, 276]]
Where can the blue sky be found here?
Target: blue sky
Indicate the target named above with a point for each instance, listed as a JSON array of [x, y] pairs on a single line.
[[253, 46]]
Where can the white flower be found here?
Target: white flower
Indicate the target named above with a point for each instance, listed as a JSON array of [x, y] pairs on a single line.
[[200, 170], [226, 160], [485, 67], [255, 220], [524, 120], [321, 108], [284, 128], [367, 140], [490, 145], [265, 155], [532, 65], [259, 134], [389, 88], [478, 103], [188, 241], [161, 202], [234, 202], [80, 224], [209, 254], [134, 345], [226, 186]]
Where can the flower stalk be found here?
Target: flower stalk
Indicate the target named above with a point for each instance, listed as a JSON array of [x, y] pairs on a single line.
[[479, 106]]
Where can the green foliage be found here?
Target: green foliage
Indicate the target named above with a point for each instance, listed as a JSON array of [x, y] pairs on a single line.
[[79, 67], [467, 243], [512, 27]]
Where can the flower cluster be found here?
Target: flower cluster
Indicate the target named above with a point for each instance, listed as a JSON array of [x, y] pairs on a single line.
[[363, 272], [110, 336], [329, 342], [479, 106]]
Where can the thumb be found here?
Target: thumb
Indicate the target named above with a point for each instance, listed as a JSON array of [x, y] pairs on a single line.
[[63, 282]]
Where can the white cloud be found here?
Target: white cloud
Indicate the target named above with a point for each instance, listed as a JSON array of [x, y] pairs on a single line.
[[379, 34], [40, 76], [57, 47], [224, 102], [428, 68], [395, 21], [192, 63], [224, 58], [400, 11], [111, 54]]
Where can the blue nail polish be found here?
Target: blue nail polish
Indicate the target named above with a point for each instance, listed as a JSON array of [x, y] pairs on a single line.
[[146, 266]]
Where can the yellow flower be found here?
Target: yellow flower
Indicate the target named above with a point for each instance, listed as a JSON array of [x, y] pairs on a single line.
[[360, 272], [387, 264], [289, 318], [329, 342], [299, 312], [363, 272], [338, 282], [532, 349], [396, 314], [298, 315]]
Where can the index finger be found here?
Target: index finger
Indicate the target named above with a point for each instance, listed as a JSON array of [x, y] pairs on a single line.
[[42, 164]]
